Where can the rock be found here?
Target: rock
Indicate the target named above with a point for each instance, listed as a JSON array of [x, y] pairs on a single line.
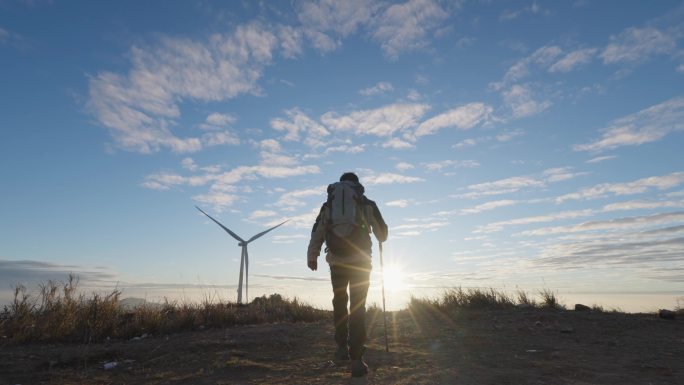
[[667, 314], [523, 306], [567, 329], [580, 307]]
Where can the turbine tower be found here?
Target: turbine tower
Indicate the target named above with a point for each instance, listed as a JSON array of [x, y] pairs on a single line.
[[244, 258]]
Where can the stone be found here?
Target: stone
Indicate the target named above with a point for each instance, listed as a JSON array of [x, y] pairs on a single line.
[[667, 314], [580, 307]]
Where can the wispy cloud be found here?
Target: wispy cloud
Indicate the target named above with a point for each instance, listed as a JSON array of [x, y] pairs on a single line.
[[390, 178], [260, 214], [610, 225], [379, 88], [325, 22], [639, 186], [404, 166], [498, 226], [638, 44], [521, 100], [299, 126], [293, 199], [450, 164], [383, 121], [462, 117], [600, 159], [488, 206], [398, 203], [397, 28], [573, 60], [224, 190], [648, 125], [405, 27], [641, 205], [32, 272], [141, 107]]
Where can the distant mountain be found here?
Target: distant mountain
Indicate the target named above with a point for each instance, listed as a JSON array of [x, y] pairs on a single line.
[[132, 303]]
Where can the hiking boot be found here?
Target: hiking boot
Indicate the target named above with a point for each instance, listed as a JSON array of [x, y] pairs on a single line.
[[342, 354], [359, 368]]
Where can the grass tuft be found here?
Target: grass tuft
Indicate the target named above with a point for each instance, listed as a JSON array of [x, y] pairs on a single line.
[[60, 313]]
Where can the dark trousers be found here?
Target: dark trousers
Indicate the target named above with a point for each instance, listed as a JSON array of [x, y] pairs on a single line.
[[350, 325]]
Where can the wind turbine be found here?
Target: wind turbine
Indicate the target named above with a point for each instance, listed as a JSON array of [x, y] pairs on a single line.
[[244, 259]]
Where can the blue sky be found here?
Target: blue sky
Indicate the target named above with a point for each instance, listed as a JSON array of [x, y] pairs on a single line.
[[515, 145]]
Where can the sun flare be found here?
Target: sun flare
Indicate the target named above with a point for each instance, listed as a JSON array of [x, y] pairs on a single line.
[[394, 278]]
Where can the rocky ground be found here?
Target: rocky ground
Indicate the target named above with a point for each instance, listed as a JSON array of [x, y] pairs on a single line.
[[519, 346]]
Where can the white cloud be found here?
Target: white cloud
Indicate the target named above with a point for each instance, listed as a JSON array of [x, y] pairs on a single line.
[[290, 41], [383, 121], [648, 125], [415, 96], [404, 166], [272, 154], [218, 119], [292, 199], [639, 186], [219, 138], [513, 183], [466, 143], [379, 88], [560, 174], [189, 164], [397, 144], [463, 117], [390, 178], [405, 27], [298, 126], [346, 148], [498, 226], [640, 205], [520, 99], [573, 60], [140, 107], [638, 44], [599, 159], [219, 200], [259, 214], [680, 68], [398, 203], [488, 206], [326, 20], [166, 180], [542, 57], [450, 163], [421, 226], [610, 225]]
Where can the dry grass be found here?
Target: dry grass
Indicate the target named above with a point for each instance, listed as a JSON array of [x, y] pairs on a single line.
[[476, 298], [59, 312]]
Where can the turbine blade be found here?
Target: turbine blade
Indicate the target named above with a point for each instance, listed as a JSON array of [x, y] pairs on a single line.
[[264, 232], [237, 237], [242, 264]]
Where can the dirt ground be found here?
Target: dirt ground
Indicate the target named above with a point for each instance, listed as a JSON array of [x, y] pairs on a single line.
[[518, 346]]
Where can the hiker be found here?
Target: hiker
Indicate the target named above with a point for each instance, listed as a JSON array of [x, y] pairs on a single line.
[[344, 223]]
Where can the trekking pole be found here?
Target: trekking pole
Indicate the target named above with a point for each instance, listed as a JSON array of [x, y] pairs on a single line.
[[382, 282]]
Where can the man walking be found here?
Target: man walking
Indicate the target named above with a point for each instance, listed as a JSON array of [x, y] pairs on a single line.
[[345, 222]]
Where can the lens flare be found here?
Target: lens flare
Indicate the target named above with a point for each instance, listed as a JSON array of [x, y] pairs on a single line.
[[394, 278]]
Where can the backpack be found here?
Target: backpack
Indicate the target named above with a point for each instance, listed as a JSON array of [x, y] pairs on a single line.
[[347, 231]]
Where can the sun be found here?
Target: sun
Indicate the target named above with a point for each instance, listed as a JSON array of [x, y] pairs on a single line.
[[394, 277]]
